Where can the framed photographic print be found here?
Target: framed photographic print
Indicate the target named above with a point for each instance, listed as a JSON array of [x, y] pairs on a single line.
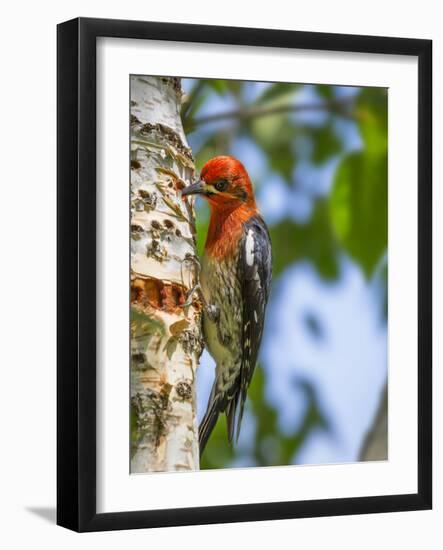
[[244, 274]]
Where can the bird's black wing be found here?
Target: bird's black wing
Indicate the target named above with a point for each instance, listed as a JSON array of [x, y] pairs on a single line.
[[254, 272]]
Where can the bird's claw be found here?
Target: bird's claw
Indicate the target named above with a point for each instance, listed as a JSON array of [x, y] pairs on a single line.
[[212, 311], [194, 289]]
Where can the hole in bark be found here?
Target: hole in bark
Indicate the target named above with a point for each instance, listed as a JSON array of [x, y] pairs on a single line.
[[136, 293], [171, 297], [154, 293]]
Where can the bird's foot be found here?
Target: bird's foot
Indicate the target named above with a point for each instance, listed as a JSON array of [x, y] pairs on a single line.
[[195, 289], [211, 310]]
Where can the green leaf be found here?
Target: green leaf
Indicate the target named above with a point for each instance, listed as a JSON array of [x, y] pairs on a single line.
[[235, 87], [218, 453], [275, 135], [282, 160], [325, 91], [192, 110], [218, 143], [372, 113], [358, 205], [272, 129], [275, 91], [312, 241], [325, 143], [219, 86], [202, 225], [359, 198]]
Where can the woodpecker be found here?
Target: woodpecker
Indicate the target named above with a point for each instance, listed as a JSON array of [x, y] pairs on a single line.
[[235, 281]]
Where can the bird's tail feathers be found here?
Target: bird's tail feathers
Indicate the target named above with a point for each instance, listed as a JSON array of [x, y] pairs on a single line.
[[234, 409], [209, 420], [234, 415], [231, 415]]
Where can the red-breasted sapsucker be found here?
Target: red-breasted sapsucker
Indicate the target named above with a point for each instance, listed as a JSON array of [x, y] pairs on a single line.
[[235, 281]]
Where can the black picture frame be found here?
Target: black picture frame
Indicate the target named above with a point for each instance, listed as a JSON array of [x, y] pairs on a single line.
[[76, 282]]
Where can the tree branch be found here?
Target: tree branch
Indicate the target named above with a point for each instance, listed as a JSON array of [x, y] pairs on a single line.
[[339, 107], [375, 444]]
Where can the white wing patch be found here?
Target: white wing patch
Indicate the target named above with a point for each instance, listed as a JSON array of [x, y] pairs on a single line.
[[250, 247]]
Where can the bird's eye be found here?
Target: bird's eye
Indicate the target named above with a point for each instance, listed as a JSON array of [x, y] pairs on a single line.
[[221, 185]]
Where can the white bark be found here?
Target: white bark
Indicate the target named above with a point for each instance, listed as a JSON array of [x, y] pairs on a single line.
[[166, 338]]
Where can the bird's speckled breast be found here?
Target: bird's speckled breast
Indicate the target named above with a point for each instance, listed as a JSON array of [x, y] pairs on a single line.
[[220, 288]]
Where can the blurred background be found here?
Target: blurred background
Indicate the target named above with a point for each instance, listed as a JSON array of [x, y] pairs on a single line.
[[317, 156]]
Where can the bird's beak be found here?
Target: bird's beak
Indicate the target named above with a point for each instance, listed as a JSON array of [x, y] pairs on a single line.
[[198, 188]]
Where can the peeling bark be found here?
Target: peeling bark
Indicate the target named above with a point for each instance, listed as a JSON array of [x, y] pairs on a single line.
[[166, 339]]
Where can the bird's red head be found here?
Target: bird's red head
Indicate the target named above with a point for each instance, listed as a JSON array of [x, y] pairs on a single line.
[[225, 184]]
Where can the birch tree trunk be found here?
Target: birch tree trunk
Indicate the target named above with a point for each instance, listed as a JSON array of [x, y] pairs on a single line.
[[166, 339]]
